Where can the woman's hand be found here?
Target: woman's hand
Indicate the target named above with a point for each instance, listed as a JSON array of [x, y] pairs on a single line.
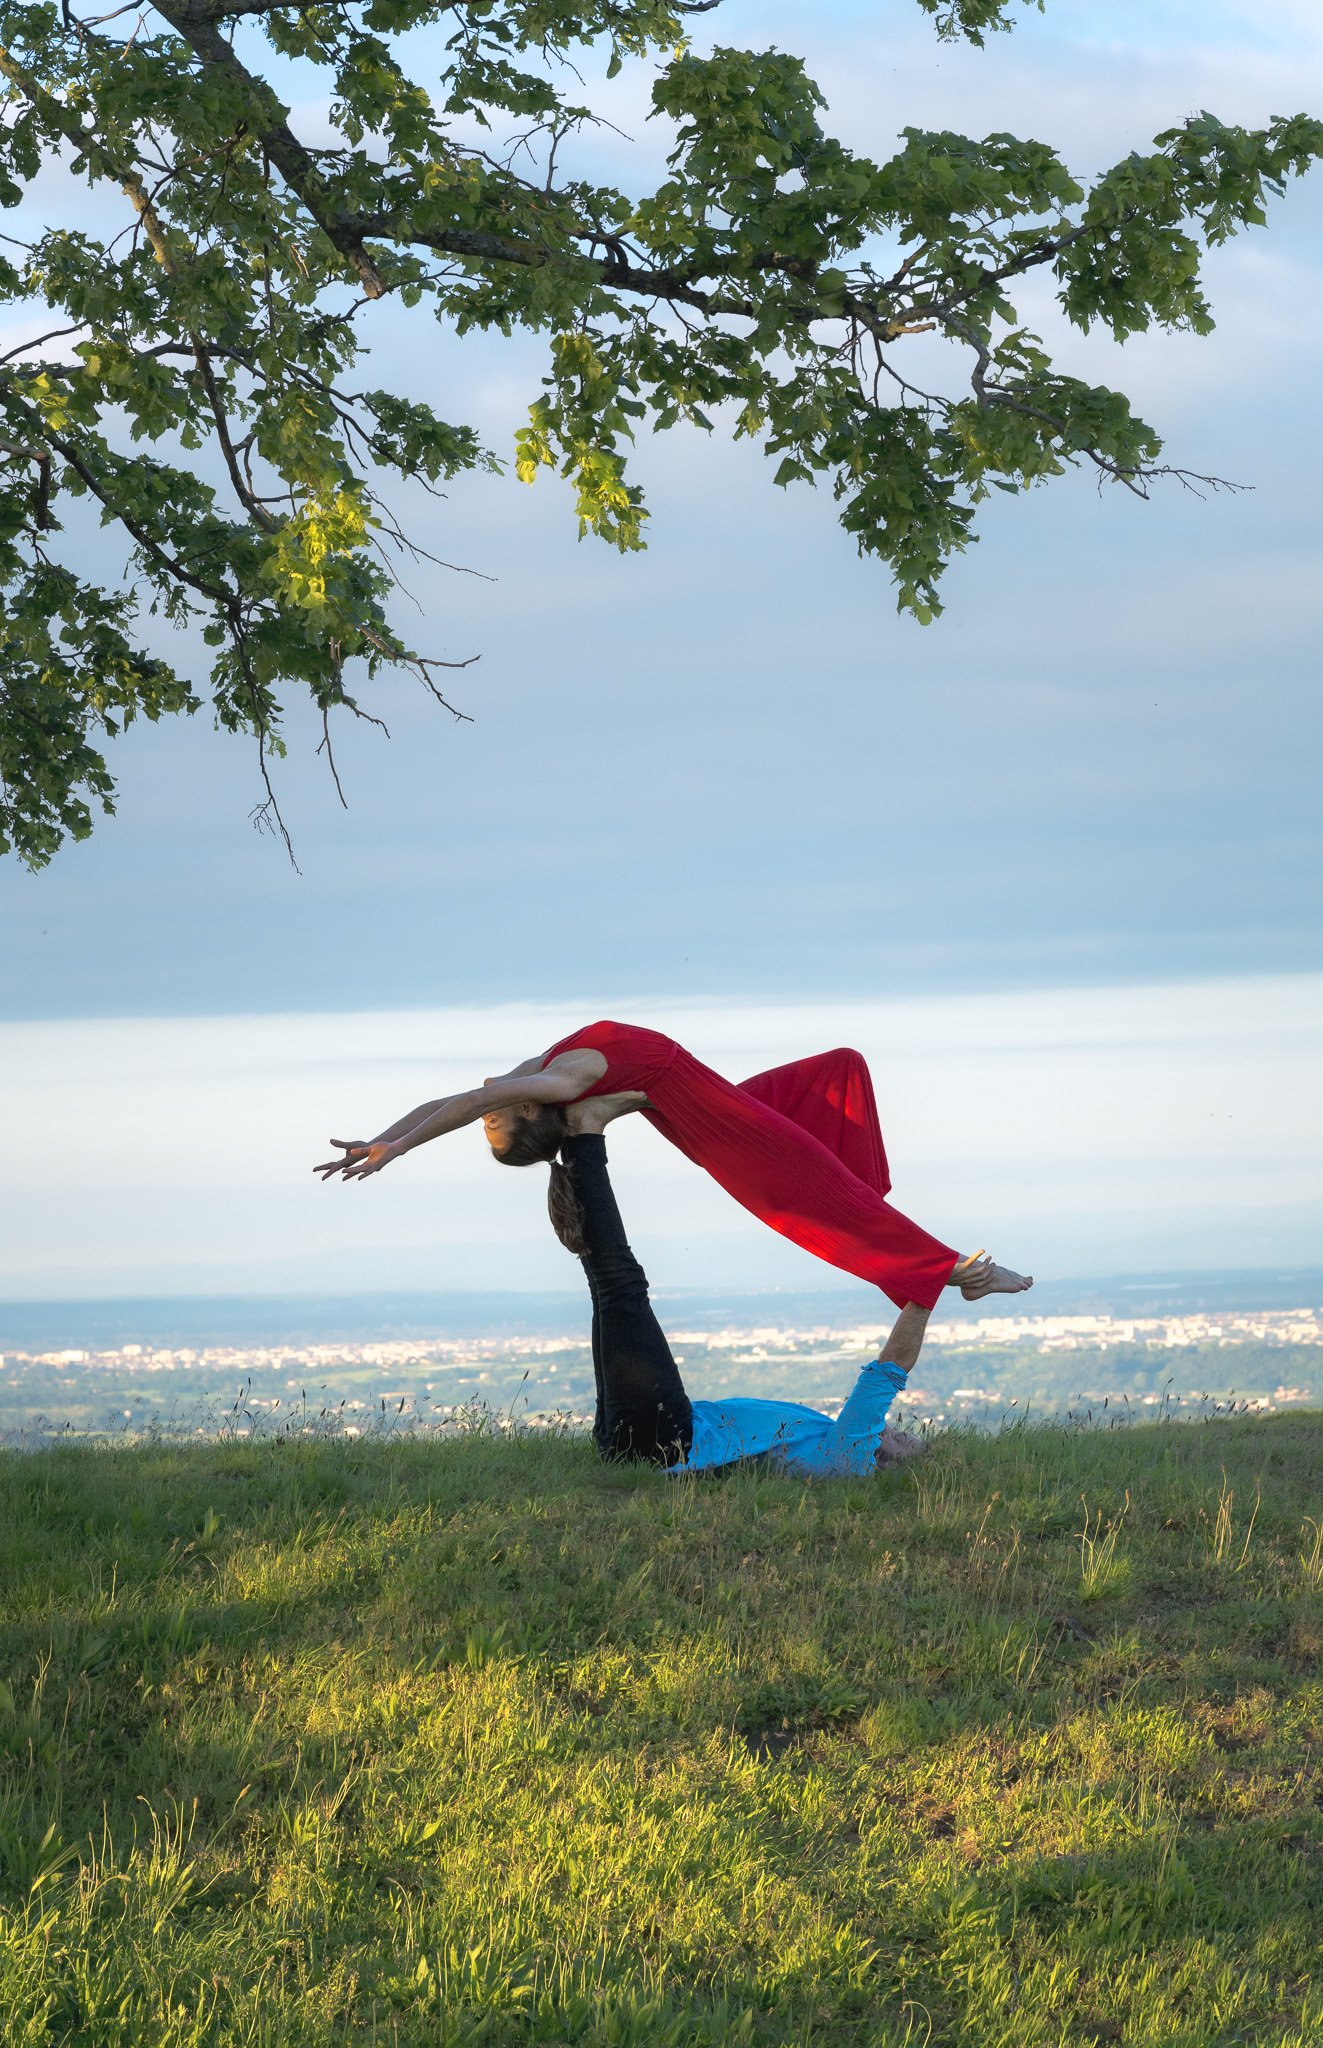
[[569, 1074], [362, 1157]]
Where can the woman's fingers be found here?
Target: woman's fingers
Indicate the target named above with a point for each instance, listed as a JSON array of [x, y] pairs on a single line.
[[361, 1158], [353, 1148], [366, 1159]]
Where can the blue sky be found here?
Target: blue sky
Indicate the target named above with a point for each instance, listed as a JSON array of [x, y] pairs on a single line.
[[724, 780]]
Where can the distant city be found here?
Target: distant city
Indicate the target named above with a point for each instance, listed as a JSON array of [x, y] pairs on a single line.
[[975, 1369]]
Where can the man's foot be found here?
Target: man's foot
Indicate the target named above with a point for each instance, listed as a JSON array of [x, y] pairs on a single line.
[[896, 1447], [593, 1113], [980, 1275]]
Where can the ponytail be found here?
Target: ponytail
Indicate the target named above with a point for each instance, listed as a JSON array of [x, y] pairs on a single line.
[[566, 1211], [538, 1137]]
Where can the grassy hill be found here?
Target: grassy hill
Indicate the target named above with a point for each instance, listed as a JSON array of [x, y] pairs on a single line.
[[481, 1742]]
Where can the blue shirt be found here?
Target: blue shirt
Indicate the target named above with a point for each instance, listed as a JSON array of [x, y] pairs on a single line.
[[803, 1440]]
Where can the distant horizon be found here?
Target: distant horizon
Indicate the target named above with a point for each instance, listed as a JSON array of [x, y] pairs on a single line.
[[109, 1322], [1125, 1276]]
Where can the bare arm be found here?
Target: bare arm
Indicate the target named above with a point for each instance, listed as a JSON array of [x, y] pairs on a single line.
[[451, 1112], [563, 1080]]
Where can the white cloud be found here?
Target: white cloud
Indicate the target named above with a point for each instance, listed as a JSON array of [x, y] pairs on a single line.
[[1075, 1130], [1097, 80]]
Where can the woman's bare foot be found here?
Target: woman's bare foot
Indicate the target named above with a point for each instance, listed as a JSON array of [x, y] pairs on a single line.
[[592, 1115], [980, 1275]]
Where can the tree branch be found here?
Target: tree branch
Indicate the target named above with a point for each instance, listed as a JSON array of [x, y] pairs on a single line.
[[41, 504], [58, 117], [216, 592], [247, 499], [295, 163], [233, 10]]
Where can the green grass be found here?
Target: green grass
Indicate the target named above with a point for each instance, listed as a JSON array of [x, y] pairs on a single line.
[[480, 1741]]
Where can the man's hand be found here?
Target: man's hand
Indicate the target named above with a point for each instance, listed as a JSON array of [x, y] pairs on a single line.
[[362, 1157]]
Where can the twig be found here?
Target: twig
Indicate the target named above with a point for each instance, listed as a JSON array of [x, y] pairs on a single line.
[[326, 748]]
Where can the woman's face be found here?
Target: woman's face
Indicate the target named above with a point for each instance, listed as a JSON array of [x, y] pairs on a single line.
[[499, 1124]]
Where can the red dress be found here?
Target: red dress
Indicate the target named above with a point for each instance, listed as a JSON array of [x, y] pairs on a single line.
[[800, 1146]]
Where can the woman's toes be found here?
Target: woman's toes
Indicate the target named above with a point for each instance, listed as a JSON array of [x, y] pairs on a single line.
[[993, 1279]]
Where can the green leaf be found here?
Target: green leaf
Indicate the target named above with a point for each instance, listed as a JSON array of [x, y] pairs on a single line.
[[202, 393]]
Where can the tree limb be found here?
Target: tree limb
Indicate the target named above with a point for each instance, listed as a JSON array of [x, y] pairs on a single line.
[[216, 592], [251, 504], [294, 162], [41, 504], [58, 117]]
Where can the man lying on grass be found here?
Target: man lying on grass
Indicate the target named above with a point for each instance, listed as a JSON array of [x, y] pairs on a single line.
[[643, 1411]]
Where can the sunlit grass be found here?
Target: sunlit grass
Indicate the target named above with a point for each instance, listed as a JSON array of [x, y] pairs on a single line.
[[481, 1741]]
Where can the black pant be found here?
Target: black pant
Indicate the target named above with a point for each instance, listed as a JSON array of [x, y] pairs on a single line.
[[643, 1410]]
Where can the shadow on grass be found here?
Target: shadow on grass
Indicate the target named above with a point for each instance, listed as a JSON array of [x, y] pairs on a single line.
[[738, 1753]]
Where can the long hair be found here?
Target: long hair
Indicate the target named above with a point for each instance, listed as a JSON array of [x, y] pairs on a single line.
[[539, 1137]]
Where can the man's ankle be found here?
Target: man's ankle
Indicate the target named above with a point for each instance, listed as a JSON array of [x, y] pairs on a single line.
[[583, 1145]]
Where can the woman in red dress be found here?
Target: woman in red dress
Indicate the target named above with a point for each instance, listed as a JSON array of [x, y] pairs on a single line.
[[800, 1146]]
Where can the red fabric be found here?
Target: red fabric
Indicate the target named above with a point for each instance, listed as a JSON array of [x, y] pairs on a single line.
[[800, 1146]]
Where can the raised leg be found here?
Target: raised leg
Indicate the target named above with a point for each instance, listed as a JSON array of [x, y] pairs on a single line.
[[796, 1180], [831, 1097], [643, 1410]]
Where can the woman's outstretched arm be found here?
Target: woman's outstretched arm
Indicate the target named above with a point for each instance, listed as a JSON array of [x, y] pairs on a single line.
[[562, 1080]]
